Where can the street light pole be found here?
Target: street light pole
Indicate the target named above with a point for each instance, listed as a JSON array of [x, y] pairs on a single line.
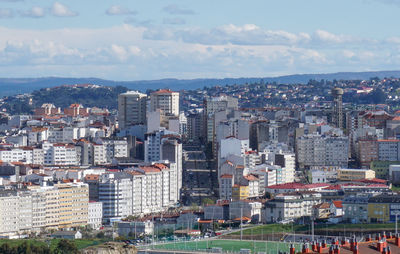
[[241, 231], [312, 227]]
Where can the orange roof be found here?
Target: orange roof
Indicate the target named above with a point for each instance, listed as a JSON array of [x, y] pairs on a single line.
[[149, 169], [251, 178], [92, 177], [338, 203], [205, 221], [161, 166], [134, 172], [163, 91], [243, 218], [226, 176]]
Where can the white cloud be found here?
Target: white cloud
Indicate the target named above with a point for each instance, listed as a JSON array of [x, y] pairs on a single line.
[[34, 12], [60, 10], [6, 13], [119, 10], [174, 21], [248, 34], [174, 9], [226, 51]]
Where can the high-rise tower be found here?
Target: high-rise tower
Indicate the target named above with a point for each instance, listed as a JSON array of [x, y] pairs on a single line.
[[131, 109], [337, 116]]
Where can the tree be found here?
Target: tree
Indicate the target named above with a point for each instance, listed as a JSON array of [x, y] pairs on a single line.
[[194, 207], [24, 247], [100, 235], [66, 247], [5, 248], [207, 201]]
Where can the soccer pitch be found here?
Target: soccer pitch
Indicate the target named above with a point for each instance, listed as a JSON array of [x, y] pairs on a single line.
[[227, 245]]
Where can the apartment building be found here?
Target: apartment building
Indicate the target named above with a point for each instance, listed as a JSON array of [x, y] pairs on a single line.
[[60, 154], [131, 109], [15, 213], [73, 200], [165, 100], [321, 150], [95, 214], [115, 192]]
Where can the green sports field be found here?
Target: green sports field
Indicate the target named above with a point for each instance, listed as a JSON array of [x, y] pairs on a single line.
[[227, 245]]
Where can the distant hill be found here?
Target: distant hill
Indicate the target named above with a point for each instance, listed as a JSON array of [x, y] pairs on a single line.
[[11, 86]]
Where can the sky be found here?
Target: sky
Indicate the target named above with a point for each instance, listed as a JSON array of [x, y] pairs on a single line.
[[187, 39]]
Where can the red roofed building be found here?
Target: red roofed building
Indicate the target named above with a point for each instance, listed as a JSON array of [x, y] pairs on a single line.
[[336, 208], [76, 110], [292, 187]]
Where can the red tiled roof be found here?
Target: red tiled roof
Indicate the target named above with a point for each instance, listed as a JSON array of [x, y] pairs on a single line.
[[251, 178], [298, 186], [226, 176], [149, 169], [162, 91], [374, 180], [337, 203]]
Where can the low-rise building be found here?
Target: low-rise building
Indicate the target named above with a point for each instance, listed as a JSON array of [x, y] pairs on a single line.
[[355, 174], [383, 208], [355, 208], [135, 228], [245, 208], [290, 206]]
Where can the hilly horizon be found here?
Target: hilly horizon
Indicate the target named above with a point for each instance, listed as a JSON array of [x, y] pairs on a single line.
[[12, 86]]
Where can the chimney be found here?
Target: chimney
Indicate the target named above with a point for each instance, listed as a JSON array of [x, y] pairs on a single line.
[[337, 249], [378, 237], [292, 250], [384, 234], [319, 248], [355, 249], [305, 249], [314, 246], [369, 238], [379, 246], [397, 240]]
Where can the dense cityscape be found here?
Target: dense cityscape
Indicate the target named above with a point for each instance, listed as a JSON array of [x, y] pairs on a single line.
[[205, 163], [191, 127]]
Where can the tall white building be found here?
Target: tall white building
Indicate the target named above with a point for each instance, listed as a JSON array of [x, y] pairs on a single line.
[[60, 154], [154, 188], [131, 109], [213, 105], [165, 100], [321, 150], [171, 150], [95, 214], [115, 192]]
